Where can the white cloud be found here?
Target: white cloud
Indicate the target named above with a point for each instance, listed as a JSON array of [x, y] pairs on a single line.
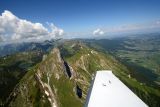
[[55, 32], [13, 28], [98, 32]]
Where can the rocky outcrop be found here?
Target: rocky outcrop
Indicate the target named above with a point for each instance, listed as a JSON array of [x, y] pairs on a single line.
[[46, 90]]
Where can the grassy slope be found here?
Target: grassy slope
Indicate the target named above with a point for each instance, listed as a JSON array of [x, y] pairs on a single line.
[[63, 87], [28, 92], [12, 69]]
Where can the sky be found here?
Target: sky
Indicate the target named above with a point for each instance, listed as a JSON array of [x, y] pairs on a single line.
[[77, 18]]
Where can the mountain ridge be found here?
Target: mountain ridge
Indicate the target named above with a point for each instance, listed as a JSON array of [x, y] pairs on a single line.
[[66, 73]]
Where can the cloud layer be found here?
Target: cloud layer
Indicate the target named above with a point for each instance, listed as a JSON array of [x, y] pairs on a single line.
[[13, 28], [152, 26]]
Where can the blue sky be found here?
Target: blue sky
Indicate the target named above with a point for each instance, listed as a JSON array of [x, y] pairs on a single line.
[[85, 15]]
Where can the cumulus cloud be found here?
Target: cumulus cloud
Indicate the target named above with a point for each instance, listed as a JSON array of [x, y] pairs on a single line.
[[55, 31], [13, 28], [98, 32]]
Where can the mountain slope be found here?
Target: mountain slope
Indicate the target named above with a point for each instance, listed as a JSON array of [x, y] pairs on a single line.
[[47, 78], [13, 68], [62, 79]]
